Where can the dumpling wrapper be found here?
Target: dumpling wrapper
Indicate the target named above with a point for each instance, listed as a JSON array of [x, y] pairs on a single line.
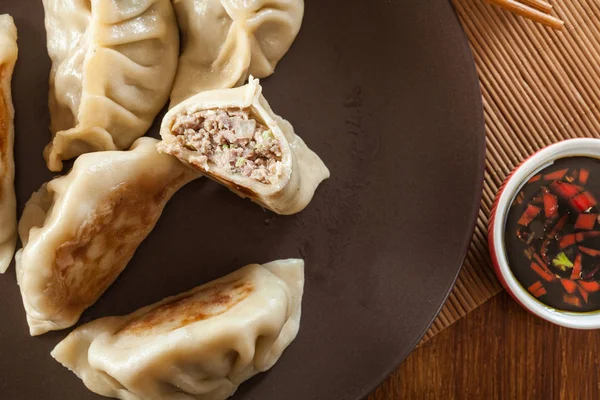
[[299, 170], [8, 206], [80, 230], [226, 41], [201, 344], [113, 65]]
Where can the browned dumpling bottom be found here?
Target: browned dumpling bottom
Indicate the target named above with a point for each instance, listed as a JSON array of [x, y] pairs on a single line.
[[234, 140]]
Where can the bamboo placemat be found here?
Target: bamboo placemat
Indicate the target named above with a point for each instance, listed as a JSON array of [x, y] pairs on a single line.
[[539, 86]]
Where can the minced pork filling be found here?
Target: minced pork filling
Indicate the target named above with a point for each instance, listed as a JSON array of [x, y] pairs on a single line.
[[231, 139]]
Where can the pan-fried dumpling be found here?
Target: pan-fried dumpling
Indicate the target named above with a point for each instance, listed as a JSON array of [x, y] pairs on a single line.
[[233, 136], [8, 212], [198, 345], [224, 41], [80, 230], [113, 65]]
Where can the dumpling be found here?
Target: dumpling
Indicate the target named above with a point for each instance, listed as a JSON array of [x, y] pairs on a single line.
[[201, 344], [80, 230], [224, 41], [113, 65], [233, 136], [8, 211]]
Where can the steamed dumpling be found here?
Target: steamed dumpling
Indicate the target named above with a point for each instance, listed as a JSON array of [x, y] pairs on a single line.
[[113, 65], [8, 212], [234, 137], [224, 41], [80, 230], [201, 344]]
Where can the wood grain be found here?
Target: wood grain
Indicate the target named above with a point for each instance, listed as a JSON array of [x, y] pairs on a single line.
[[539, 86], [500, 352]]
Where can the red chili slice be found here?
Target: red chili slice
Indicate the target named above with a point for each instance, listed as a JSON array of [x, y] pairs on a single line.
[[542, 272], [576, 272], [550, 205], [572, 300], [583, 202], [590, 252], [584, 174], [569, 285], [530, 213], [586, 221], [567, 240], [581, 236], [572, 238], [535, 178], [589, 286], [552, 176], [565, 190], [535, 287]]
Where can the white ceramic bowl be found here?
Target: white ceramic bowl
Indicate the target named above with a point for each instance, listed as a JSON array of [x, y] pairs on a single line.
[[504, 198]]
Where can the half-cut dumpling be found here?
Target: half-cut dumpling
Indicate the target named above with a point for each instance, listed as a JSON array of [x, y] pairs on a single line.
[[8, 208], [224, 41], [201, 344], [233, 136], [80, 230], [113, 65]]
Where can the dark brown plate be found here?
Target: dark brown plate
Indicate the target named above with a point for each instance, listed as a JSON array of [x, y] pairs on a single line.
[[386, 92]]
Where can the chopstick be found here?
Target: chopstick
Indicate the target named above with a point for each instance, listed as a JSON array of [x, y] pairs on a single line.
[[539, 5], [535, 10]]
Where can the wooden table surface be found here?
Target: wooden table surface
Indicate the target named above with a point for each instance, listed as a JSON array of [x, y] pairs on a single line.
[[500, 351]]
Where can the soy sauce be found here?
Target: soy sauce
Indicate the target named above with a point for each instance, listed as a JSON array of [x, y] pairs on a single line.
[[552, 235]]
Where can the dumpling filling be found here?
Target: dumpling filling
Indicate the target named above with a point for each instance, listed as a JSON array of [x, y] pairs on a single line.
[[233, 140]]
